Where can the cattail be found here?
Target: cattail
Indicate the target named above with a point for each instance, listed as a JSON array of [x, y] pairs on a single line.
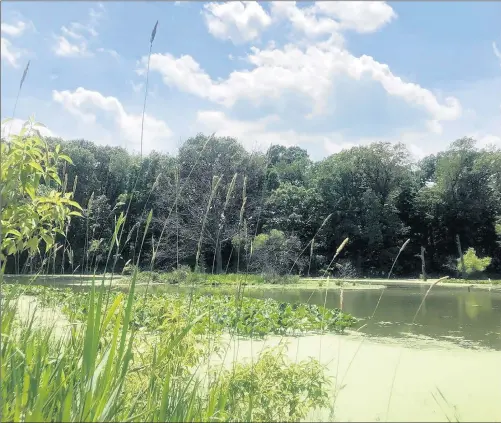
[[24, 75], [230, 190], [157, 181], [340, 248], [426, 294], [153, 33], [402, 248]]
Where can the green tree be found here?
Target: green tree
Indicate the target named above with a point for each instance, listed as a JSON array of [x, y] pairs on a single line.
[[35, 205], [473, 264]]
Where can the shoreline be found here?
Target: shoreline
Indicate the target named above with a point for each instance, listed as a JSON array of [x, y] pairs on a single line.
[[306, 283]]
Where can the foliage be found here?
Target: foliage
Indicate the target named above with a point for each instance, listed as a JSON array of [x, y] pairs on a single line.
[[243, 316], [472, 263], [274, 253], [35, 205], [134, 360], [373, 194], [278, 391]]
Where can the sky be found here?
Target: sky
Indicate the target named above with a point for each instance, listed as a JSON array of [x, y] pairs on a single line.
[[325, 76]]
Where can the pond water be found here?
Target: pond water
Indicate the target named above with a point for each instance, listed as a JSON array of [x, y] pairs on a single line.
[[444, 367], [467, 319]]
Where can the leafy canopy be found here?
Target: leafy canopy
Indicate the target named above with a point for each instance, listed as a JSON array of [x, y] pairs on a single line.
[[35, 206]]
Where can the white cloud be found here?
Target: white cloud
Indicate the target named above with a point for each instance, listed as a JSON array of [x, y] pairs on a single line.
[[257, 135], [91, 106], [360, 16], [332, 18], [136, 87], [111, 52], [497, 53], [310, 71], [486, 140], [75, 38], [238, 21], [66, 48], [17, 29], [251, 134], [71, 33], [305, 20], [9, 53], [308, 67]]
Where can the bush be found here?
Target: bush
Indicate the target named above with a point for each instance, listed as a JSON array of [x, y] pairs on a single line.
[[129, 269], [473, 265], [279, 391], [275, 253]]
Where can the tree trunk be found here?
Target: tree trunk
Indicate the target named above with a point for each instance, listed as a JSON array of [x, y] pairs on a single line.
[[423, 266], [359, 263], [219, 258], [460, 251]]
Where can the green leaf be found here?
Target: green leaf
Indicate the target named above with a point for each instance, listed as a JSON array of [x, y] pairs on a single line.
[[13, 232], [66, 158], [36, 166]]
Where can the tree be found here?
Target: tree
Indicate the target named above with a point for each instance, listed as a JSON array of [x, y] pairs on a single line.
[[274, 253], [360, 188], [35, 206], [294, 209], [473, 264], [287, 165]]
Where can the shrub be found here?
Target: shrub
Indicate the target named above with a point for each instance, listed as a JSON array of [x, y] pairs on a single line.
[[35, 208], [129, 269], [275, 253], [279, 391], [473, 264]]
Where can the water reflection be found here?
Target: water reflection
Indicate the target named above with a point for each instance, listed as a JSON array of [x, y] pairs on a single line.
[[469, 319]]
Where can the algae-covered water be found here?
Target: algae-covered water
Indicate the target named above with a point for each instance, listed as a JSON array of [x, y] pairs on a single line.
[[444, 367]]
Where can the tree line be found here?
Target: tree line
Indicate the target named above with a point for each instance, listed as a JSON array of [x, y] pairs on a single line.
[[218, 208]]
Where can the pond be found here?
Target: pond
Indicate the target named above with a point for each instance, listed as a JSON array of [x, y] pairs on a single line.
[[444, 367], [467, 319]]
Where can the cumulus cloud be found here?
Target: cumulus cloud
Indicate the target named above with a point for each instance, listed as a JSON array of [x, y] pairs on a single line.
[[360, 16], [91, 106], [75, 38], [309, 71], [257, 135], [238, 21], [332, 18], [66, 48], [10, 54], [16, 29]]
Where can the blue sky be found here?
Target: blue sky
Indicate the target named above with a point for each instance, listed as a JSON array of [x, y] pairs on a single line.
[[321, 75]]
